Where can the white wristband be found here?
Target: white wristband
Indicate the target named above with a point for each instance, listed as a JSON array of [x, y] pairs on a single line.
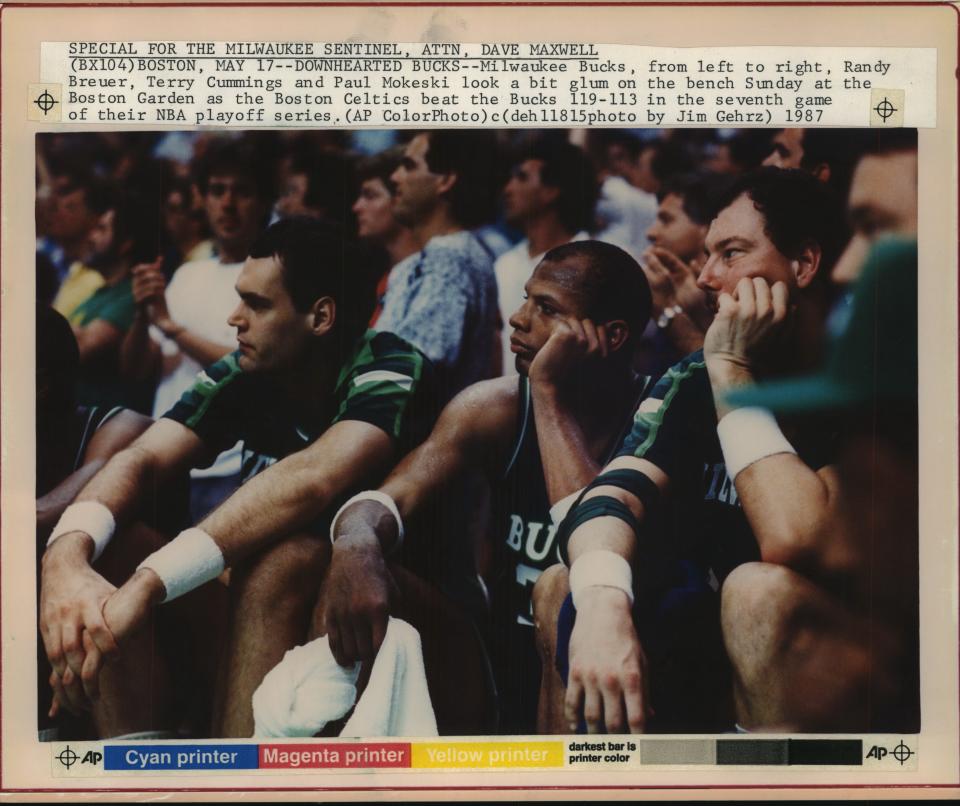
[[188, 561], [600, 568], [91, 518], [748, 435], [380, 498]]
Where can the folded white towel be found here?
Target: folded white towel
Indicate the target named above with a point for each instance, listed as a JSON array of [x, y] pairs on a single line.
[[308, 688], [304, 692]]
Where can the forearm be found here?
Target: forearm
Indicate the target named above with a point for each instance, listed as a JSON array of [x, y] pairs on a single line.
[[567, 463], [283, 498], [787, 503], [139, 354], [789, 507], [51, 506]]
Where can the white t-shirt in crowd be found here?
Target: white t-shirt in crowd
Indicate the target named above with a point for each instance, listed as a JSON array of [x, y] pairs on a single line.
[[201, 296]]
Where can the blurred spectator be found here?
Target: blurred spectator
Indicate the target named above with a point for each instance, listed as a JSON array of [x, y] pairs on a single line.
[[78, 202], [883, 196], [376, 221], [688, 203], [443, 299], [318, 184], [124, 235], [829, 154], [624, 212], [184, 226], [550, 196], [182, 328]]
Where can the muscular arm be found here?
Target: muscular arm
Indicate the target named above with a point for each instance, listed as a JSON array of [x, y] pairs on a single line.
[[608, 679], [788, 504], [111, 437], [290, 494], [470, 428], [72, 594]]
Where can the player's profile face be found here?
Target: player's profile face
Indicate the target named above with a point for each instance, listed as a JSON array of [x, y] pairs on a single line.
[[271, 333], [550, 296], [737, 247], [883, 201]]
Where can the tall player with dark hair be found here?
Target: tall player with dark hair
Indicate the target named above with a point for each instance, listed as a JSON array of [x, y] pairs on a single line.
[[537, 438], [322, 406]]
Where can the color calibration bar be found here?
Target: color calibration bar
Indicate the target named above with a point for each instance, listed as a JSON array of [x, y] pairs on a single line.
[[584, 753]]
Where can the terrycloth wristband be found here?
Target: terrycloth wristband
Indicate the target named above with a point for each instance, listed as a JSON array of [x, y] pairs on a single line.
[[91, 518], [748, 435], [600, 568], [380, 498], [188, 561]]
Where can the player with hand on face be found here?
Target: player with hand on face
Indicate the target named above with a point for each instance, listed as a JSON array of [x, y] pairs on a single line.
[[700, 487], [538, 438]]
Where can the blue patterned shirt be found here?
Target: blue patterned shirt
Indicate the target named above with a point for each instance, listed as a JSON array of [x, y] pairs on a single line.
[[443, 300]]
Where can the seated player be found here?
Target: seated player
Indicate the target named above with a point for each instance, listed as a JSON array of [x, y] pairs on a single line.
[[700, 486], [538, 438], [73, 442], [323, 408], [831, 644]]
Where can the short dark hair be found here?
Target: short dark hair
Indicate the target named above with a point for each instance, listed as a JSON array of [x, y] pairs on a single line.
[[472, 155], [97, 191], [567, 168], [701, 194], [797, 209], [245, 157], [613, 284], [841, 149], [669, 159], [380, 166], [320, 260], [331, 182]]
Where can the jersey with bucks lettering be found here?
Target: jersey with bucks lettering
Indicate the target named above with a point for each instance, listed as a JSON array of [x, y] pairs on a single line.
[[675, 428], [384, 382], [526, 546]]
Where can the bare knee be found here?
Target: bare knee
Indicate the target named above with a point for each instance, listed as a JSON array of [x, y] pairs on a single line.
[[759, 608], [285, 573]]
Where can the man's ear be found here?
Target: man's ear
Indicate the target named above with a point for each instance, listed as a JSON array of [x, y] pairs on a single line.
[[806, 265], [323, 314], [445, 183], [618, 331]]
